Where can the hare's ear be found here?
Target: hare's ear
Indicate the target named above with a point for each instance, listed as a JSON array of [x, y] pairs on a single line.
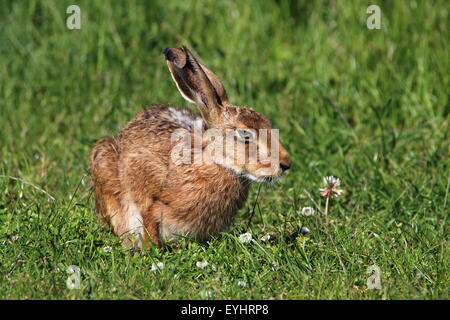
[[196, 83]]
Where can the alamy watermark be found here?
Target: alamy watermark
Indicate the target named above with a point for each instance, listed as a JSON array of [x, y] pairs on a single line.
[[374, 281], [74, 20], [227, 147], [374, 20], [74, 279]]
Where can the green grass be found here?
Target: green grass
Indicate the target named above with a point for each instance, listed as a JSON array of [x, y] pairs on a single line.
[[368, 106]]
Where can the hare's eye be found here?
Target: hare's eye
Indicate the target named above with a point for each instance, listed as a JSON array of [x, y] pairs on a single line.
[[245, 134]]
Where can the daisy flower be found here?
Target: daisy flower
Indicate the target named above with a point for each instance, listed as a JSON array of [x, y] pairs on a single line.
[[241, 283], [245, 238], [307, 211], [157, 266], [202, 264]]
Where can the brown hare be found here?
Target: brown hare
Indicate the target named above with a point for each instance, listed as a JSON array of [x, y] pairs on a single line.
[[147, 196]]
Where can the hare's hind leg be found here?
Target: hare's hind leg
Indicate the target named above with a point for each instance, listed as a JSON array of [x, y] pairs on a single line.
[[104, 175], [111, 204]]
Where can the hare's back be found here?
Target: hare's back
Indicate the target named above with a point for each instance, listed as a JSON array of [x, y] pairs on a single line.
[[146, 144], [153, 127]]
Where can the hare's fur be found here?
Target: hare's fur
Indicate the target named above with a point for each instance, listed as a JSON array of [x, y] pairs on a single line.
[[141, 192]]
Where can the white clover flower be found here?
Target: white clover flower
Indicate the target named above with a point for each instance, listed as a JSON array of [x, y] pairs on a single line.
[[265, 238], [107, 249], [206, 294], [157, 266], [330, 189], [245, 238], [307, 211], [241, 283], [202, 264]]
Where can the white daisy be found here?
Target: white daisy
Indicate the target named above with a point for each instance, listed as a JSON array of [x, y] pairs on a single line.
[[307, 211], [241, 283], [157, 266], [245, 238], [202, 264]]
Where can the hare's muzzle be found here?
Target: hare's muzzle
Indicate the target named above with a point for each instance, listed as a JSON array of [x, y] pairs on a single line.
[[285, 159]]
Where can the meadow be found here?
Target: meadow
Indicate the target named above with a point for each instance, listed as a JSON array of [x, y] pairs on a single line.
[[368, 106]]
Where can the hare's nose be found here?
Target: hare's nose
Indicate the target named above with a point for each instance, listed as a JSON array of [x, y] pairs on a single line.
[[285, 160], [285, 166]]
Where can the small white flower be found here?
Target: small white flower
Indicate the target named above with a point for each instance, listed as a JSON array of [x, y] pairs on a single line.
[[245, 238], [206, 294], [157, 266], [419, 275], [107, 249], [307, 211], [241, 283], [15, 237], [202, 264], [265, 238]]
